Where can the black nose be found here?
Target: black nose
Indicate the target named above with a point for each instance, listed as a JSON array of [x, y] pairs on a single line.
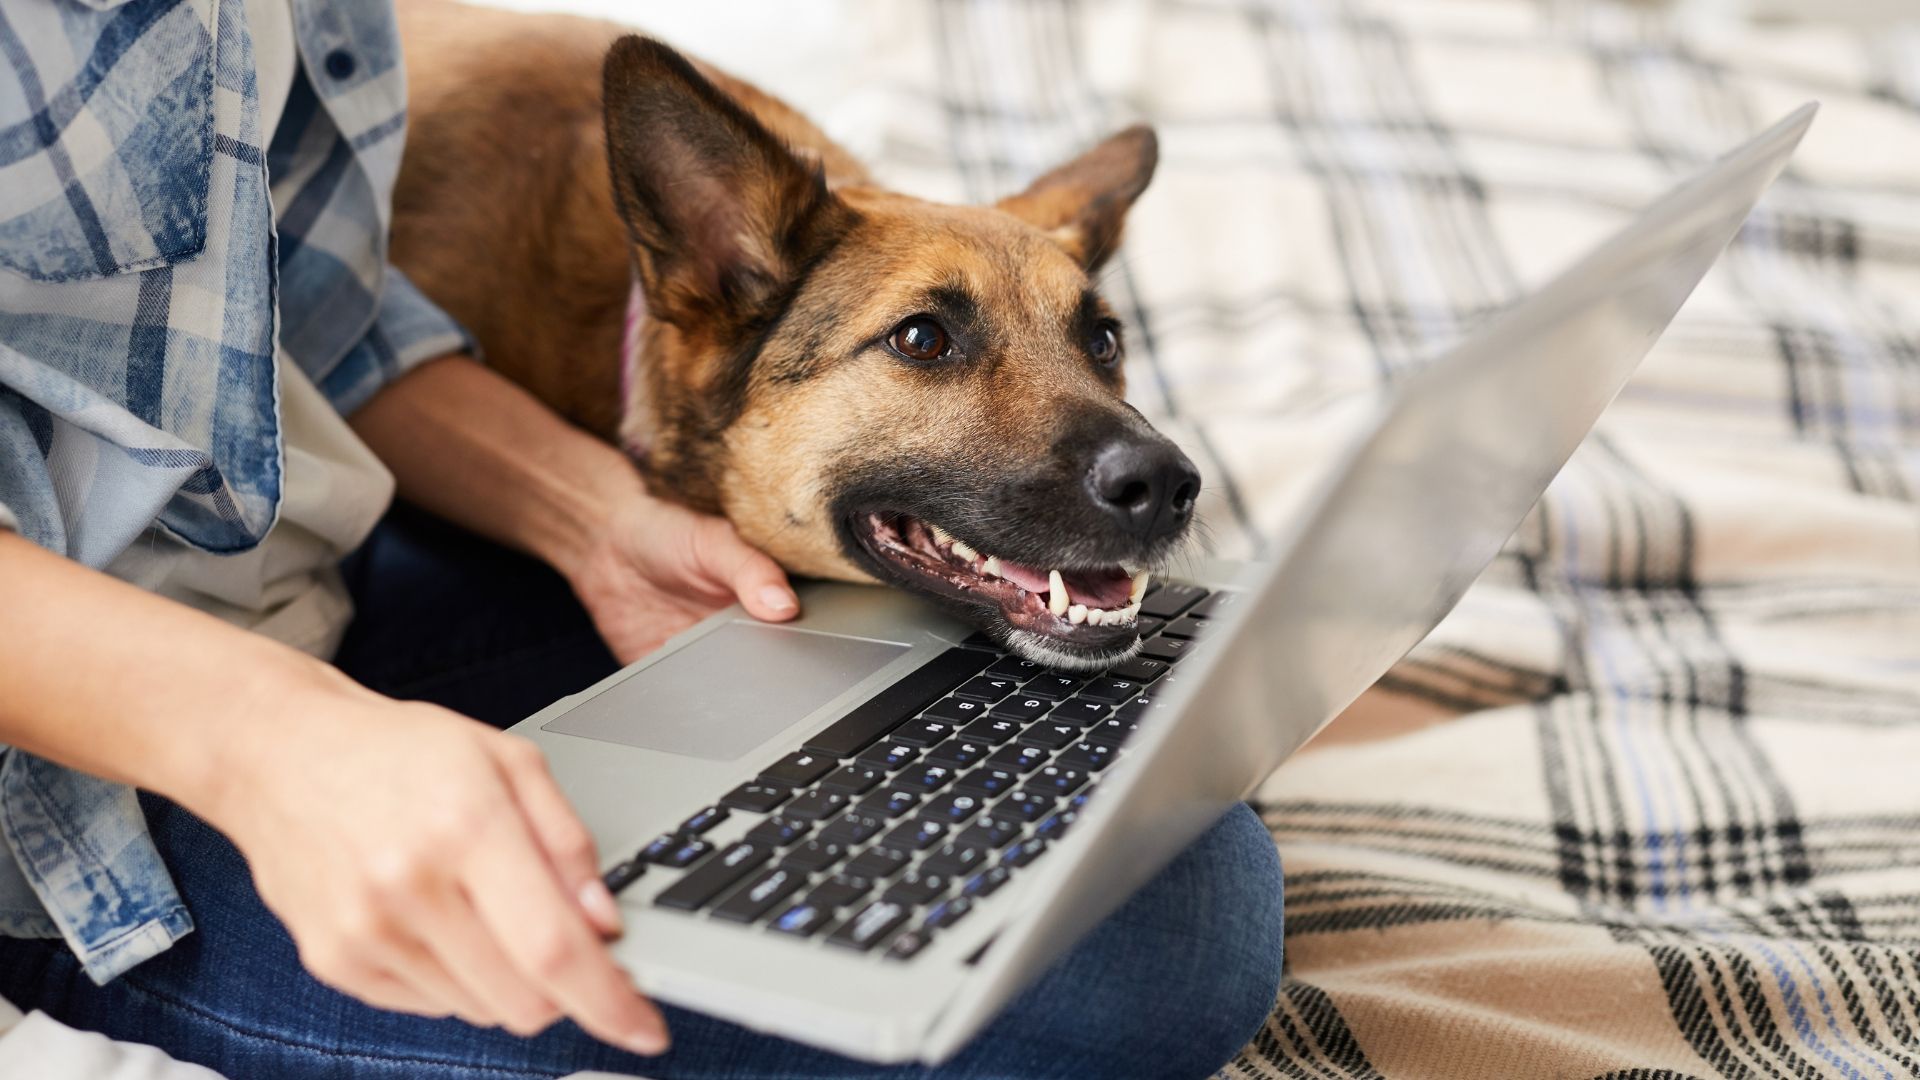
[[1148, 486]]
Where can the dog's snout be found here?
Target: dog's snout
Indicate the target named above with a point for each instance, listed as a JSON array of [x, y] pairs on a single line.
[[1146, 485]]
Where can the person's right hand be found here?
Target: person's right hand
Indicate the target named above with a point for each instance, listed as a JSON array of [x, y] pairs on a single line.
[[426, 863]]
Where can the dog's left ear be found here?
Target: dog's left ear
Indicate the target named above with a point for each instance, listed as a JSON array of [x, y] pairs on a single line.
[[1083, 203], [722, 214]]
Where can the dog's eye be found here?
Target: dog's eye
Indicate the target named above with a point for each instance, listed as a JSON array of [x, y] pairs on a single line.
[[1104, 345], [920, 338]]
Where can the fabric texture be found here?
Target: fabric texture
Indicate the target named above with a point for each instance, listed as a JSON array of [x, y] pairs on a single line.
[[140, 265], [1646, 804], [1151, 993]]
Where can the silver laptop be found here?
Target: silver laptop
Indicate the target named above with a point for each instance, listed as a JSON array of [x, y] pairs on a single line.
[[868, 829]]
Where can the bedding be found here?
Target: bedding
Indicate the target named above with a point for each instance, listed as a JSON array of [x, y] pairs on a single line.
[[1648, 803]]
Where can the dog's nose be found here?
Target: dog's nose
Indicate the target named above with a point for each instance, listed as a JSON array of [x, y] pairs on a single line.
[[1148, 486]]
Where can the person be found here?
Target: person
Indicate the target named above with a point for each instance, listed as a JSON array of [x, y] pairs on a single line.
[[217, 843]]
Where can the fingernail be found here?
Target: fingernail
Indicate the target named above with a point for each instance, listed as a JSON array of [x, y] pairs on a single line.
[[777, 598], [649, 1043], [598, 903]]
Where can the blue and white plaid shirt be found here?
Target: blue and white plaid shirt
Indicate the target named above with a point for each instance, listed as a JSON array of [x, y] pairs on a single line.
[[144, 280]]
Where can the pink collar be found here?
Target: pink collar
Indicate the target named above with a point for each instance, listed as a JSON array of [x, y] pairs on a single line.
[[632, 409]]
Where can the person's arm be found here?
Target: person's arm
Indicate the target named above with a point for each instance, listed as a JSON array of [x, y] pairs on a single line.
[[422, 861], [469, 445]]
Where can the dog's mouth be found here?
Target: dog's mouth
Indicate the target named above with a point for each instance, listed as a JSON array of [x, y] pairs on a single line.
[[1069, 616]]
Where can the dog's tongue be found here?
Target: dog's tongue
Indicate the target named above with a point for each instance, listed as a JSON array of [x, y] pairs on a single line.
[[1108, 588]]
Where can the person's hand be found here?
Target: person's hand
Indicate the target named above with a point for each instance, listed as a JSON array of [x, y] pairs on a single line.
[[426, 863], [656, 568]]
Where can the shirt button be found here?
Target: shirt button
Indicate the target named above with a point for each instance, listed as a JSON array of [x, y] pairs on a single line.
[[340, 64]]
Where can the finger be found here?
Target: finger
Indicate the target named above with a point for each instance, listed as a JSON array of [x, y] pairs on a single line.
[[756, 581], [413, 963], [463, 947], [522, 903], [558, 831]]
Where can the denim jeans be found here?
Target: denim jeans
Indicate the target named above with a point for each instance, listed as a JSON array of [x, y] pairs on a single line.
[[1171, 985]]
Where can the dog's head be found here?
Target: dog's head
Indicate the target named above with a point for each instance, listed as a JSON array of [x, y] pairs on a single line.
[[873, 386]]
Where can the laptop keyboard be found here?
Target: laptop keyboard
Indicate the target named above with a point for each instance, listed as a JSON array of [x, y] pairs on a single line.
[[889, 825]]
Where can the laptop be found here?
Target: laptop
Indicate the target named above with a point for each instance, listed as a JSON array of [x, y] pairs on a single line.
[[869, 828]]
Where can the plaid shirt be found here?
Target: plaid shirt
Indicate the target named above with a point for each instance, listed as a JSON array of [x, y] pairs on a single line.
[[144, 279]]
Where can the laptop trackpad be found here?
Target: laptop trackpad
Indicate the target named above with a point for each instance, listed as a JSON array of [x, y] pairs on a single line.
[[729, 691]]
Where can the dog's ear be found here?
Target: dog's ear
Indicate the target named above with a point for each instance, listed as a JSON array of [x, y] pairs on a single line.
[[723, 216], [1083, 203]]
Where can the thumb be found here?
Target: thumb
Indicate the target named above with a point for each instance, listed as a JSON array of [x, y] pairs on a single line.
[[755, 580]]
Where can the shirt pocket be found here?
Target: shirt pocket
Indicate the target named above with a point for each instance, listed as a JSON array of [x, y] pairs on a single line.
[[106, 138]]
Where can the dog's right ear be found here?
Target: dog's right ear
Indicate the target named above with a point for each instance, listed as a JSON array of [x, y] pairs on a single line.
[[723, 216]]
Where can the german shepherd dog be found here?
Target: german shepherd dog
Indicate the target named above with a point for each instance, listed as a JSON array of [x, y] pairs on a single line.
[[868, 385]]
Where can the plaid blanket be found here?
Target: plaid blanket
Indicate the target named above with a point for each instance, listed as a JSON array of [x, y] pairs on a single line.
[[1648, 803]]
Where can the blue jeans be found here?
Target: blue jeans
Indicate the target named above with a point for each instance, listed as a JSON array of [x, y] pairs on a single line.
[[1171, 985]]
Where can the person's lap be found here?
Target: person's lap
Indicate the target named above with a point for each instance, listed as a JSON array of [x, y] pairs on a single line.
[[1170, 985]]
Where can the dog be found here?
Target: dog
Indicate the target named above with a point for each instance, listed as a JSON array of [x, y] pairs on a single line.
[[870, 386]]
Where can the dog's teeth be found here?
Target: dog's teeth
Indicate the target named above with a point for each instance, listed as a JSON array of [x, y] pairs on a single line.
[[961, 549], [1056, 593], [992, 567], [1095, 616], [941, 535], [1077, 614], [1139, 588], [1130, 612]]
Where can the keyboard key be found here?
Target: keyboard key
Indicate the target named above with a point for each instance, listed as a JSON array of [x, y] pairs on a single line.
[[1089, 756], [959, 751], [750, 901], [1050, 736], [876, 864], [1140, 669], [1016, 668], [992, 729], [1051, 685], [686, 854], [817, 805], [873, 923], [1112, 732], [988, 688], [702, 821], [1216, 605], [1138, 707], [953, 860], [948, 913], [778, 831], [889, 802], [1018, 759], [1186, 626], [954, 807], [843, 890], [1149, 627], [926, 777], [756, 798], [660, 847], [888, 755], [1024, 806], [1022, 708], [692, 892], [1165, 648], [986, 882], [916, 835], [1167, 602], [798, 769], [1110, 690], [813, 856], [852, 828], [956, 710], [855, 779], [988, 781], [803, 920], [908, 945], [980, 639], [1058, 779], [624, 874], [901, 700], [1023, 853], [1055, 825], [1081, 711], [916, 888], [989, 832], [924, 733]]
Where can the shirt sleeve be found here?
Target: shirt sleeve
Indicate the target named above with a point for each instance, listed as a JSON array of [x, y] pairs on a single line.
[[408, 331], [28, 505]]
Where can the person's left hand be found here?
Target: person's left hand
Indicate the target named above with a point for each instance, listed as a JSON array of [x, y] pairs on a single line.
[[657, 568]]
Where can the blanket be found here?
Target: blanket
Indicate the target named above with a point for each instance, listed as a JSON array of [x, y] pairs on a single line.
[[1648, 803]]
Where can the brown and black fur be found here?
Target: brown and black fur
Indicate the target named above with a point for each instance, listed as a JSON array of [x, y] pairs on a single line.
[[550, 158]]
